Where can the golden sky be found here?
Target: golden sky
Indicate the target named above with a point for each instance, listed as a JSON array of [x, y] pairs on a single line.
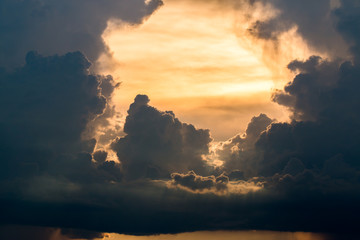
[[191, 60]]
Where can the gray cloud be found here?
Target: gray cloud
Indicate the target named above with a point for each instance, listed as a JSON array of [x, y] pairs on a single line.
[[347, 24], [158, 144], [17, 232], [323, 92], [315, 22], [46, 106], [58, 27], [239, 152], [308, 168], [195, 182]]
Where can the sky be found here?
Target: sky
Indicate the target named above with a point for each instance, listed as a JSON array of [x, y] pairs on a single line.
[[179, 119], [188, 57]]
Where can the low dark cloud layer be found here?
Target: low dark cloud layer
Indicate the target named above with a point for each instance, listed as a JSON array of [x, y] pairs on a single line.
[[57, 27], [16, 232]]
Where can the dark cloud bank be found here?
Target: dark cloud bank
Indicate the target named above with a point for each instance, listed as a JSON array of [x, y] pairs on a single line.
[[298, 176]]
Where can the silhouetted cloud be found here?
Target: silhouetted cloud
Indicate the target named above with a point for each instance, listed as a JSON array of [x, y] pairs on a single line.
[[325, 93], [198, 183], [158, 144], [301, 175], [348, 19], [314, 21], [238, 153], [57, 27], [46, 106]]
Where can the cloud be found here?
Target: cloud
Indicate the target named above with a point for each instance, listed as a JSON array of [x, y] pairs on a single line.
[[323, 92], [57, 27], [314, 21], [238, 152], [158, 144], [347, 16], [308, 94], [46, 106], [11, 232], [300, 175], [195, 182]]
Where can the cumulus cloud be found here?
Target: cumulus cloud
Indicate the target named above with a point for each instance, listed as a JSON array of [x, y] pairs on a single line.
[[330, 101], [238, 152], [46, 106], [301, 175], [323, 100], [158, 144], [58, 27], [308, 94]]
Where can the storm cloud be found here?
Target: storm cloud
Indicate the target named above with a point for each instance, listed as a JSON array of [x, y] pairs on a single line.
[[57, 27], [158, 144], [46, 106], [298, 175]]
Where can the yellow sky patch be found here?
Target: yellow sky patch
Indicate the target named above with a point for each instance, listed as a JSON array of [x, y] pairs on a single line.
[[188, 59]]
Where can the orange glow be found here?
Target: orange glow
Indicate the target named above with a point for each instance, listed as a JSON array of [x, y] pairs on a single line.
[[188, 57], [226, 235]]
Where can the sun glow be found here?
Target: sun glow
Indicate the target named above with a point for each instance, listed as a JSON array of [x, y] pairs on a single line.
[[191, 56]]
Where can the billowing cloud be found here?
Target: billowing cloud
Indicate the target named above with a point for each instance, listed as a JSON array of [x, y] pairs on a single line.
[[239, 153], [300, 175], [57, 27], [158, 144], [46, 106], [325, 126], [323, 92]]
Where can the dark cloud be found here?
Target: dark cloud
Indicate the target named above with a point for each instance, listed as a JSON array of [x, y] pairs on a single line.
[[83, 234], [325, 93], [158, 144], [237, 151], [307, 95], [46, 106], [58, 27], [297, 176], [100, 156], [323, 100], [195, 182], [314, 21], [27, 233], [16, 232], [348, 20]]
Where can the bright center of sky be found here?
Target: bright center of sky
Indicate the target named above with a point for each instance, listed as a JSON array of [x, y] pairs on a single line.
[[188, 59]]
